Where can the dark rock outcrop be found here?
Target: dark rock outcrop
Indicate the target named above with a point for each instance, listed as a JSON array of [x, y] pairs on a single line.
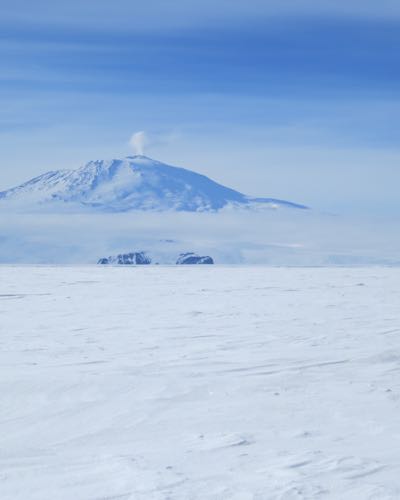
[[127, 259], [192, 258]]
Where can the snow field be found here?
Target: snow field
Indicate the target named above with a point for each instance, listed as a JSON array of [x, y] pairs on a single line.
[[199, 383]]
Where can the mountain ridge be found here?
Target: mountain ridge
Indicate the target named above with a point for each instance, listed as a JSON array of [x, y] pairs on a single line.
[[129, 184]]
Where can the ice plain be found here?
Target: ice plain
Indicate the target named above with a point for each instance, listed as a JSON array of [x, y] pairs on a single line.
[[199, 383]]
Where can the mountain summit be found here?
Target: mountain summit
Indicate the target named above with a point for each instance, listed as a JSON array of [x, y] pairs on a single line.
[[133, 183]]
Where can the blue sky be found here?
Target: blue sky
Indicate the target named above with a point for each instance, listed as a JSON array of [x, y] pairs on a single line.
[[296, 102]]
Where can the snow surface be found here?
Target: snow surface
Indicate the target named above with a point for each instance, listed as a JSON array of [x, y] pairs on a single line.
[[199, 383], [132, 183]]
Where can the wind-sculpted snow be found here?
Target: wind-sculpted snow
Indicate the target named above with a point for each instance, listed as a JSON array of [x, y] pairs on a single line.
[[133, 183], [200, 383]]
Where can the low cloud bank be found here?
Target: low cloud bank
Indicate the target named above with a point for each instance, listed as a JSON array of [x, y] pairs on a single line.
[[284, 237]]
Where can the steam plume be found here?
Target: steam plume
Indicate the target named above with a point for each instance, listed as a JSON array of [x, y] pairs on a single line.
[[138, 142]]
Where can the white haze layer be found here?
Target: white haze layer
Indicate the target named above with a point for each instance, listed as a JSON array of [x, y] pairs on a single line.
[[275, 237]]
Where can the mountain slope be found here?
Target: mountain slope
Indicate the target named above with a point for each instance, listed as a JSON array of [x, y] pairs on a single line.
[[132, 183]]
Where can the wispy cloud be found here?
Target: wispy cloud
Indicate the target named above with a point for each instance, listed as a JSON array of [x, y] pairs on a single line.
[[174, 14], [221, 87]]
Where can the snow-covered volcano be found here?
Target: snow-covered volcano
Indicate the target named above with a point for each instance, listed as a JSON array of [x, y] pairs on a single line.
[[132, 183]]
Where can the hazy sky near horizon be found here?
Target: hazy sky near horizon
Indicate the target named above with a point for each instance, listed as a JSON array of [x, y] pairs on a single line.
[[295, 100]]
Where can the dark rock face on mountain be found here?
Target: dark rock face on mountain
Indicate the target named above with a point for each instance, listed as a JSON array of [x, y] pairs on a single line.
[[141, 258], [127, 259], [192, 258]]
